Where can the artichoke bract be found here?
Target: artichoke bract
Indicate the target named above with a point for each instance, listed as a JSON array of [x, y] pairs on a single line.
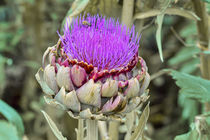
[[94, 70]]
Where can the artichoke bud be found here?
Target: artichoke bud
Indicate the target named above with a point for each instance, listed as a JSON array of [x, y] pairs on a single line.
[[95, 71]]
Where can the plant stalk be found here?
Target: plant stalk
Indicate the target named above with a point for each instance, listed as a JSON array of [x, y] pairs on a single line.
[[103, 130], [113, 130], [127, 19], [92, 129], [80, 130], [203, 43], [127, 12]]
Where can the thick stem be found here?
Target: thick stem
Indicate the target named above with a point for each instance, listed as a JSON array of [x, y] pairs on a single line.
[[92, 129], [202, 25], [127, 19], [80, 130], [127, 12], [113, 130], [205, 70], [203, 35], [103, 130], [130, 121], [108, 7]]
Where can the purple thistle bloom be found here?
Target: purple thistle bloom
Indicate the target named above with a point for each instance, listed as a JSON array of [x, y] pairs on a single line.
[[104, 43], [94, 70]]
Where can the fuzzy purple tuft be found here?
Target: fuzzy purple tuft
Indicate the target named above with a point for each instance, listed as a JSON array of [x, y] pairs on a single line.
[[104, 43]]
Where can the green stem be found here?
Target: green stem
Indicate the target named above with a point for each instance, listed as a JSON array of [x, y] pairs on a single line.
[[92, 129], [80, 130], [103, 130], [113, 130], [127, 12], [203, 35], [202, 24], [130, 121]]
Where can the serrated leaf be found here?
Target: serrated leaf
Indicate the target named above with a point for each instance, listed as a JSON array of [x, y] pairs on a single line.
[[53, 127], [12, 116], [192, 86], [191, 66], [189, 107], [142, 123], [8, 131], [184, 54], [158, 35], [189, 30]]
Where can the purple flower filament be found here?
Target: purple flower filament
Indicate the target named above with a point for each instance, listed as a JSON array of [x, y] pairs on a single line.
[[102, 42]]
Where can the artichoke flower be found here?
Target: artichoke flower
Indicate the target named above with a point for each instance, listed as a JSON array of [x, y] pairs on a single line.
[[94, 70]]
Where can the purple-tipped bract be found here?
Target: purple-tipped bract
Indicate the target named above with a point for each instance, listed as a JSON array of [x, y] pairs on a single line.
[[104, 43]]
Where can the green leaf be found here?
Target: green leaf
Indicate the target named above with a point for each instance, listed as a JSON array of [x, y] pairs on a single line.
[[208, 1], [12, 116], [142, 123], [189, 106], [206, 52], [184, 54], [191, 66], [8, 131], [16, 38], [158, 35], [192, 86], [159, 21], [53, 127], [189, 30], [5, 35], [4, 25], [2, 76]]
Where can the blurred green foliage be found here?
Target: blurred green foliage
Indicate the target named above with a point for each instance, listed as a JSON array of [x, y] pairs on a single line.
[[13, 128], [200, 129], [8, 131], [10, 36], [186, 61], [206, 1]]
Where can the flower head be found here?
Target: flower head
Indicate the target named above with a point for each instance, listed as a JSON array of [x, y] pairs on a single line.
[[94, 70], [102, 42]]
